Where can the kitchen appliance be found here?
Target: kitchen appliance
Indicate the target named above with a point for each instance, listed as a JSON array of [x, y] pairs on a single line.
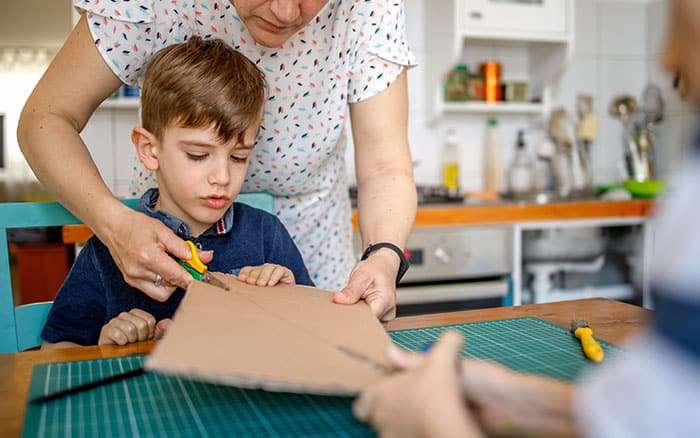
[[453, 265]]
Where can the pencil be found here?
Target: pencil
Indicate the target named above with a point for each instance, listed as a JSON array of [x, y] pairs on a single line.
[[86, 386]]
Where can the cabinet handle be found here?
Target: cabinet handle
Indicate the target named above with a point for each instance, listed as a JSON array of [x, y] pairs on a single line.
[[475, 15]]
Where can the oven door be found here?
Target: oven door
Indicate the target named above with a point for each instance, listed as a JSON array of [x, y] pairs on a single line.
[[448, 292], [455, 263]]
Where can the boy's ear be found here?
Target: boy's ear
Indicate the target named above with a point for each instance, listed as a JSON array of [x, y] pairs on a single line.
[[146, 147]]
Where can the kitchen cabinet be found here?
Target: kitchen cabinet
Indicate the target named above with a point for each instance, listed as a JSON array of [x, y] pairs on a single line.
[[615, 271], [517, 19], [531, 39]]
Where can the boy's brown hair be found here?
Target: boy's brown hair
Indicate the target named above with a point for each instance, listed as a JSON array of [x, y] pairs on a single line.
[[199, 83]]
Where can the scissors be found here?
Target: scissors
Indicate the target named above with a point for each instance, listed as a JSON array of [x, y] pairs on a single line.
[[199, 270]]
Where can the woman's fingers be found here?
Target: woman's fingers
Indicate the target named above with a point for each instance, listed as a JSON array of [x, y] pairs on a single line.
[[404, 360], [143, 248]]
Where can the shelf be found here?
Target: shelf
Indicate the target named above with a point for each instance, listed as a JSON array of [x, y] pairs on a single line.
[[120, 103], [497, 108]]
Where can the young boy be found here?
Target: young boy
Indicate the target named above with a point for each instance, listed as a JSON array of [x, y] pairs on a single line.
[[202, 105]]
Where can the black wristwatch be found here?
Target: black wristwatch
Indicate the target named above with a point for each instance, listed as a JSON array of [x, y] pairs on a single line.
[[403, 267]]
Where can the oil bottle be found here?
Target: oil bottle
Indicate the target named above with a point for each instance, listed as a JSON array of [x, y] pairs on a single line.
[[450, 163]]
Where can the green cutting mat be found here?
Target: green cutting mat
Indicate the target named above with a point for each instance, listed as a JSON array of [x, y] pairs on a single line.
[[156, 405]]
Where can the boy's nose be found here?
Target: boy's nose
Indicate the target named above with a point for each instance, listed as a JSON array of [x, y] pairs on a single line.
[[220, 174], [286, 11]]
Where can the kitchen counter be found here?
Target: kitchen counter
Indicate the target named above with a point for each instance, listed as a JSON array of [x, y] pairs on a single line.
[[485, 213], [512, 212]]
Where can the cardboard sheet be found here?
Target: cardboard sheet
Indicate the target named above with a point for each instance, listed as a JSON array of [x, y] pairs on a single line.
[[281, 338]]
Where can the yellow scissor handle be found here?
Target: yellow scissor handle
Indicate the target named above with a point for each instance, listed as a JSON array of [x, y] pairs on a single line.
[[194, 262]]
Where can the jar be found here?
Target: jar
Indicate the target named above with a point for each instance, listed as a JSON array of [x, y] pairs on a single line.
[[491, 74], [457, 84], [476, 87]]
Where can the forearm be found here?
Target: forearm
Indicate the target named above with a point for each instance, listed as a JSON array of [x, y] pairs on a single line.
[[513, 404], [386, 207], [75, 83], [545, 409]]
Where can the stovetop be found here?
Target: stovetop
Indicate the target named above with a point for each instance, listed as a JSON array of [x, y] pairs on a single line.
[[427, 194]]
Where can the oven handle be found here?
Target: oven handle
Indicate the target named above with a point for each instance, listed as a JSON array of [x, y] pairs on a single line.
[[440, 293]]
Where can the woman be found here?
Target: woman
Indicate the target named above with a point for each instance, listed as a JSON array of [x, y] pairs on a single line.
[[320, 58]]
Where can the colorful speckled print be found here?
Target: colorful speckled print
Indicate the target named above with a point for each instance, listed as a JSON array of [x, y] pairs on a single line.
[[350, 51]]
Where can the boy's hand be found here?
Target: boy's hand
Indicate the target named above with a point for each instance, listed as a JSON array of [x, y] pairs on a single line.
[[133, 326], [268, 274]]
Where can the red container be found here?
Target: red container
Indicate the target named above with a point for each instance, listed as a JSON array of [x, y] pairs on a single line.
[[491, 73]]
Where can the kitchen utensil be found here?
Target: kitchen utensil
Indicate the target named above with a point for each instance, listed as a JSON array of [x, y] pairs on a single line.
[[645, 189], [622, 108], [587, 129], [653, 104], [578, 158]]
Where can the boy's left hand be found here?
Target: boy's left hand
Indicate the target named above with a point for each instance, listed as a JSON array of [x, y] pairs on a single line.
[[268, 274], [133, 326]]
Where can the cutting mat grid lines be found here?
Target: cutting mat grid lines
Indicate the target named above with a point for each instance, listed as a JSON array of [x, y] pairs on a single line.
[[156, 405], [525, 344]]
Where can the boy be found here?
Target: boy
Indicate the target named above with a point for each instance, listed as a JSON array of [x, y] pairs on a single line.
[[202, 105]]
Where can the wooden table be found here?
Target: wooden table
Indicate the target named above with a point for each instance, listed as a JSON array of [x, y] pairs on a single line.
[[612, 321]]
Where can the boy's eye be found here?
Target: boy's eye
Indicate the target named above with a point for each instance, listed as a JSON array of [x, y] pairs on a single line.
[[196, 157], [239, 159]]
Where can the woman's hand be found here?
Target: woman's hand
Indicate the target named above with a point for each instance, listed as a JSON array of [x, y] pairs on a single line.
[[373, 280], [268, 274], [141, 247], [424, 401], [135, 325]]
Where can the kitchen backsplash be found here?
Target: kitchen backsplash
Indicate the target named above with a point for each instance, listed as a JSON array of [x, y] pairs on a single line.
[[605, 62]]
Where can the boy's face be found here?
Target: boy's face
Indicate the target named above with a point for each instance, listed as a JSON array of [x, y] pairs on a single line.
[[198, 176]]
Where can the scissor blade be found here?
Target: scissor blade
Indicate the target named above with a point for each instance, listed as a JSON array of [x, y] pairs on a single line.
[[208, 278], [366, 359]]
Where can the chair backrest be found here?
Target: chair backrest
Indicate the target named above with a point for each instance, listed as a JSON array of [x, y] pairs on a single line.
[[20, 326]]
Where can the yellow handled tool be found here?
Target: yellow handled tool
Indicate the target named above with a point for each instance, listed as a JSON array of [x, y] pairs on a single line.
[[590, 347], [199, 270]]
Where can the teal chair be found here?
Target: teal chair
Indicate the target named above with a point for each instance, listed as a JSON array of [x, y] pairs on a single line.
[[20, 326]]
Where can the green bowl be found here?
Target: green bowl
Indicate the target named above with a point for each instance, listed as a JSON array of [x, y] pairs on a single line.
[[645, 189]]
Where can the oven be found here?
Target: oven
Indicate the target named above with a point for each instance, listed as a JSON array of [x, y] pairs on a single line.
[[454, 267]]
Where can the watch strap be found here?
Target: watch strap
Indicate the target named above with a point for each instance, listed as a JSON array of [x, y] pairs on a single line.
[[403, 267]]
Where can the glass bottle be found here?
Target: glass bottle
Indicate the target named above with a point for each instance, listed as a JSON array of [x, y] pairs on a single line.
[[450, 163]]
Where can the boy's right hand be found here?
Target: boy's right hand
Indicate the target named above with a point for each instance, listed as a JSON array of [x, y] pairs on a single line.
[[268, 274], [133, 326]]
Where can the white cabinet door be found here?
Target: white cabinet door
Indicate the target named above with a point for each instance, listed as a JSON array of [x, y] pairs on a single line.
[[528, 19]]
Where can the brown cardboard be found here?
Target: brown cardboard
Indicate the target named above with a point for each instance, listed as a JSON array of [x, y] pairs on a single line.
[[281, 338]]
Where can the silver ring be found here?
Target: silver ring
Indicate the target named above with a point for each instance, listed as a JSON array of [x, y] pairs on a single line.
[[159, 280]]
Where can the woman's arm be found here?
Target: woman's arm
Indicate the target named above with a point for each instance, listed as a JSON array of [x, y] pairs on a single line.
[[75, 83], [386, 194]]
